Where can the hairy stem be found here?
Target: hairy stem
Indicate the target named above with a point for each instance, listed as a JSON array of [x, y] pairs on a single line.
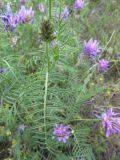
[[50, 8], [46, 88], [45, 102], [85, 120], [109, 41], [47, 57]]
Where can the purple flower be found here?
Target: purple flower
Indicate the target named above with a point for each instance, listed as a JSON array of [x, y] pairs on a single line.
[[103, 65], [91, 48], [79, 4], [22, 2], [9, 19], [118, 55], [65, 13], [8, 10], [62, 132], [41, 7], [26, 15], [110, 122], [2, 70]]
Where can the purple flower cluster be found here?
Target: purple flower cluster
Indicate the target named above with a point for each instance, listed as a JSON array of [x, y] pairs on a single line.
[[118, 55], [2, 70], [11, 20], [110, 122], [41, 7], [25, 15], [79, 4], [103, 64], [65, 13], [62, 132], [91, 48], [22, 2]]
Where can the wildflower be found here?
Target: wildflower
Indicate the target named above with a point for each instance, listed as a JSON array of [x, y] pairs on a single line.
[[91, 48], [110, 122], [47, 32], [22, 2], [103, 64], [26, 15], [2, 70], [9, 19], [79, 4], [62, 132], [118, 55], [8, 9], [65, 13], [41, 7]]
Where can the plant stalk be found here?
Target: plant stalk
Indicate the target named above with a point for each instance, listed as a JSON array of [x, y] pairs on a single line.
[[46, 88], [45, 102], [50, 9]]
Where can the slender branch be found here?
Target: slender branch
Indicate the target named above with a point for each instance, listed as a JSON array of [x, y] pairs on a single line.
[[50, 8], [47, 56], [45, 102], [85, 120], [109, 40], [46, 88]]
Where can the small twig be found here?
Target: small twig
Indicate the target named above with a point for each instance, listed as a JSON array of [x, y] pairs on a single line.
[[45, 102], [109, 40]]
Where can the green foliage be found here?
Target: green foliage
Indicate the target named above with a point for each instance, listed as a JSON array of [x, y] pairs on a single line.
[[45, 84]]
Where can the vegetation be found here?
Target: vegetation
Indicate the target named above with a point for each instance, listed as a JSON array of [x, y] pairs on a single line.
[[47, 79]]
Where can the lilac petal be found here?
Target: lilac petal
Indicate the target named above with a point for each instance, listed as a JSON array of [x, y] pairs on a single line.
[[109, 111], [8, 9], [59, 139], [2, 70], [64, 140], [118, 55], [107, 133], [41, 7]]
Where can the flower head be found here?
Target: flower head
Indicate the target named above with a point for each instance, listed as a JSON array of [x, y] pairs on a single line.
[[41, 7], [79, 4], [118, 55], [2, 70], [65, 13], [91, 48], [26, 15], [62, 132], [9, 19], [103, 65], [110, 122], [8, 10], [47, 30], [22, 2]]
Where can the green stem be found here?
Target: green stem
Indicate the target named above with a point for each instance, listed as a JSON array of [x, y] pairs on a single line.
[[109, 41], [47, 56], [45, 102], [59, 19], [86, 120], [50, 8], [46, 88]]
